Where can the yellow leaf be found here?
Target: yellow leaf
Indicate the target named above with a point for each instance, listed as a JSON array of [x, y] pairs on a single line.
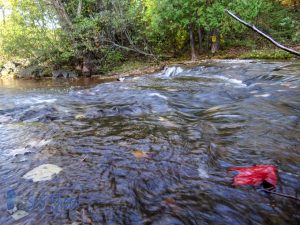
[[139, 154], [79, 116], [214, 39]]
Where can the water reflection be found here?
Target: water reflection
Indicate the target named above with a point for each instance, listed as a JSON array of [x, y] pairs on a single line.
[[191, 123]]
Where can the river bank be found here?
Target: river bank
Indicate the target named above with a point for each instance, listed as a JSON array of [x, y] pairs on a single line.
[[138, 66]]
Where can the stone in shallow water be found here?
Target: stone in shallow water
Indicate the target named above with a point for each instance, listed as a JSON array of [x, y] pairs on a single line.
[[167, 220], [19, 214], [5, 119], [42, 173]]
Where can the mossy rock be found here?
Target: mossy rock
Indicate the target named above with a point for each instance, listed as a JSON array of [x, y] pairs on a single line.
[[31, 72]]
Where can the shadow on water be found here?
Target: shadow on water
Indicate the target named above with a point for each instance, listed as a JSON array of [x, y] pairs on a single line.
[[154, 149]]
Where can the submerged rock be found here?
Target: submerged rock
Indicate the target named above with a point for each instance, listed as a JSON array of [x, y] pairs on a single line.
[[42, 173], [167, 220], [5, 119]]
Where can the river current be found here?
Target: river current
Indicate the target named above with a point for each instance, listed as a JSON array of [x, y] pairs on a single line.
[[154, 149]]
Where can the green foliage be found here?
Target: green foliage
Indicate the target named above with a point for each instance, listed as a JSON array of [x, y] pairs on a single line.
[[110, 31], [27, 33], [267, 54]]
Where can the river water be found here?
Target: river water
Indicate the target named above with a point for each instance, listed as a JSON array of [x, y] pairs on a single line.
[[153, 149]]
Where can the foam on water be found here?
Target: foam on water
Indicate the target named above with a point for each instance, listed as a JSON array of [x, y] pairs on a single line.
[[202, 172], [263, 95], [158, 95], [231, 80], [171, 71]]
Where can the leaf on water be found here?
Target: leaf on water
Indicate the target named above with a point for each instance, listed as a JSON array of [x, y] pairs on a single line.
[[85, 218], [42, 173], [161, 119], [139, 154], [255, 175], [170, 202], [84, 158], [19, 214], [37, 143], [166, 122], [80, 116]]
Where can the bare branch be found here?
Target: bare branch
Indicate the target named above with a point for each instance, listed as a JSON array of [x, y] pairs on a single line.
[[130, 49], [62, 14], [79, 8], [292, 51]]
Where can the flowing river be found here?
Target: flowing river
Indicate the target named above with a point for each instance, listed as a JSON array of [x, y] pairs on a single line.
[[155, 149]]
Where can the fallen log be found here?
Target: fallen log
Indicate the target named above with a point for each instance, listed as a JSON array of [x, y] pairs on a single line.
[[251, 26]]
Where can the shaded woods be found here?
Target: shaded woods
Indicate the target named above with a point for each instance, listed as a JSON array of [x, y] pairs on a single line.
[[94, 36]]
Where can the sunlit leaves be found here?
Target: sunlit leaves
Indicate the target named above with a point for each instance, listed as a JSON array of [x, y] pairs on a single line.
[[27, 31]]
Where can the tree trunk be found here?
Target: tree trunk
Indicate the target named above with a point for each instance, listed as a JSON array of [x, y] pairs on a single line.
[[215, 39], [200, 36], [63, 17], [87, 66], [192, 43], [79, 8], [208, 42], [296, 5], [3, 13]]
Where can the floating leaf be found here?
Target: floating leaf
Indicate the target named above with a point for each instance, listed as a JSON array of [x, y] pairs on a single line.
[[255, 175], [19, 214], [80, 116], [84, 158], [37, 143], [42, 172], [170, 202], [139, 154]]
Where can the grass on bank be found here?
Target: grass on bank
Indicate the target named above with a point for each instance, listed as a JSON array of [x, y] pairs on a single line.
[[266, 54]]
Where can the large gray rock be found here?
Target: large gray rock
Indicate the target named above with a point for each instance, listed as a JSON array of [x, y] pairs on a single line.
[[10, 69], [31, 72], [64, 74]]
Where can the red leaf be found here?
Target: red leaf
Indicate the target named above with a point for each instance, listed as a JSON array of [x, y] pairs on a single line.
[[255, 175]]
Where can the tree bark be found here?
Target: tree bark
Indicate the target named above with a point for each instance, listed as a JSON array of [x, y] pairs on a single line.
[[208, 42], [79, 8], [63, 17], [215, 46], [269, 38], [192, 43], [200, 36], [3, 13]]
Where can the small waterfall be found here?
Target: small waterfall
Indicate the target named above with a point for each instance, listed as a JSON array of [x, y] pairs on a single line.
[[172, 71]]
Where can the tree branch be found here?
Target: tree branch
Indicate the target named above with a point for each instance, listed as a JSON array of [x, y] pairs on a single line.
[[292, 51], [130, 49], [79, 8], [62, 14]]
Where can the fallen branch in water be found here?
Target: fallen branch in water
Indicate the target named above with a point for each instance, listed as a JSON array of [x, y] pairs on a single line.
[[279, 194], [251, 26]]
